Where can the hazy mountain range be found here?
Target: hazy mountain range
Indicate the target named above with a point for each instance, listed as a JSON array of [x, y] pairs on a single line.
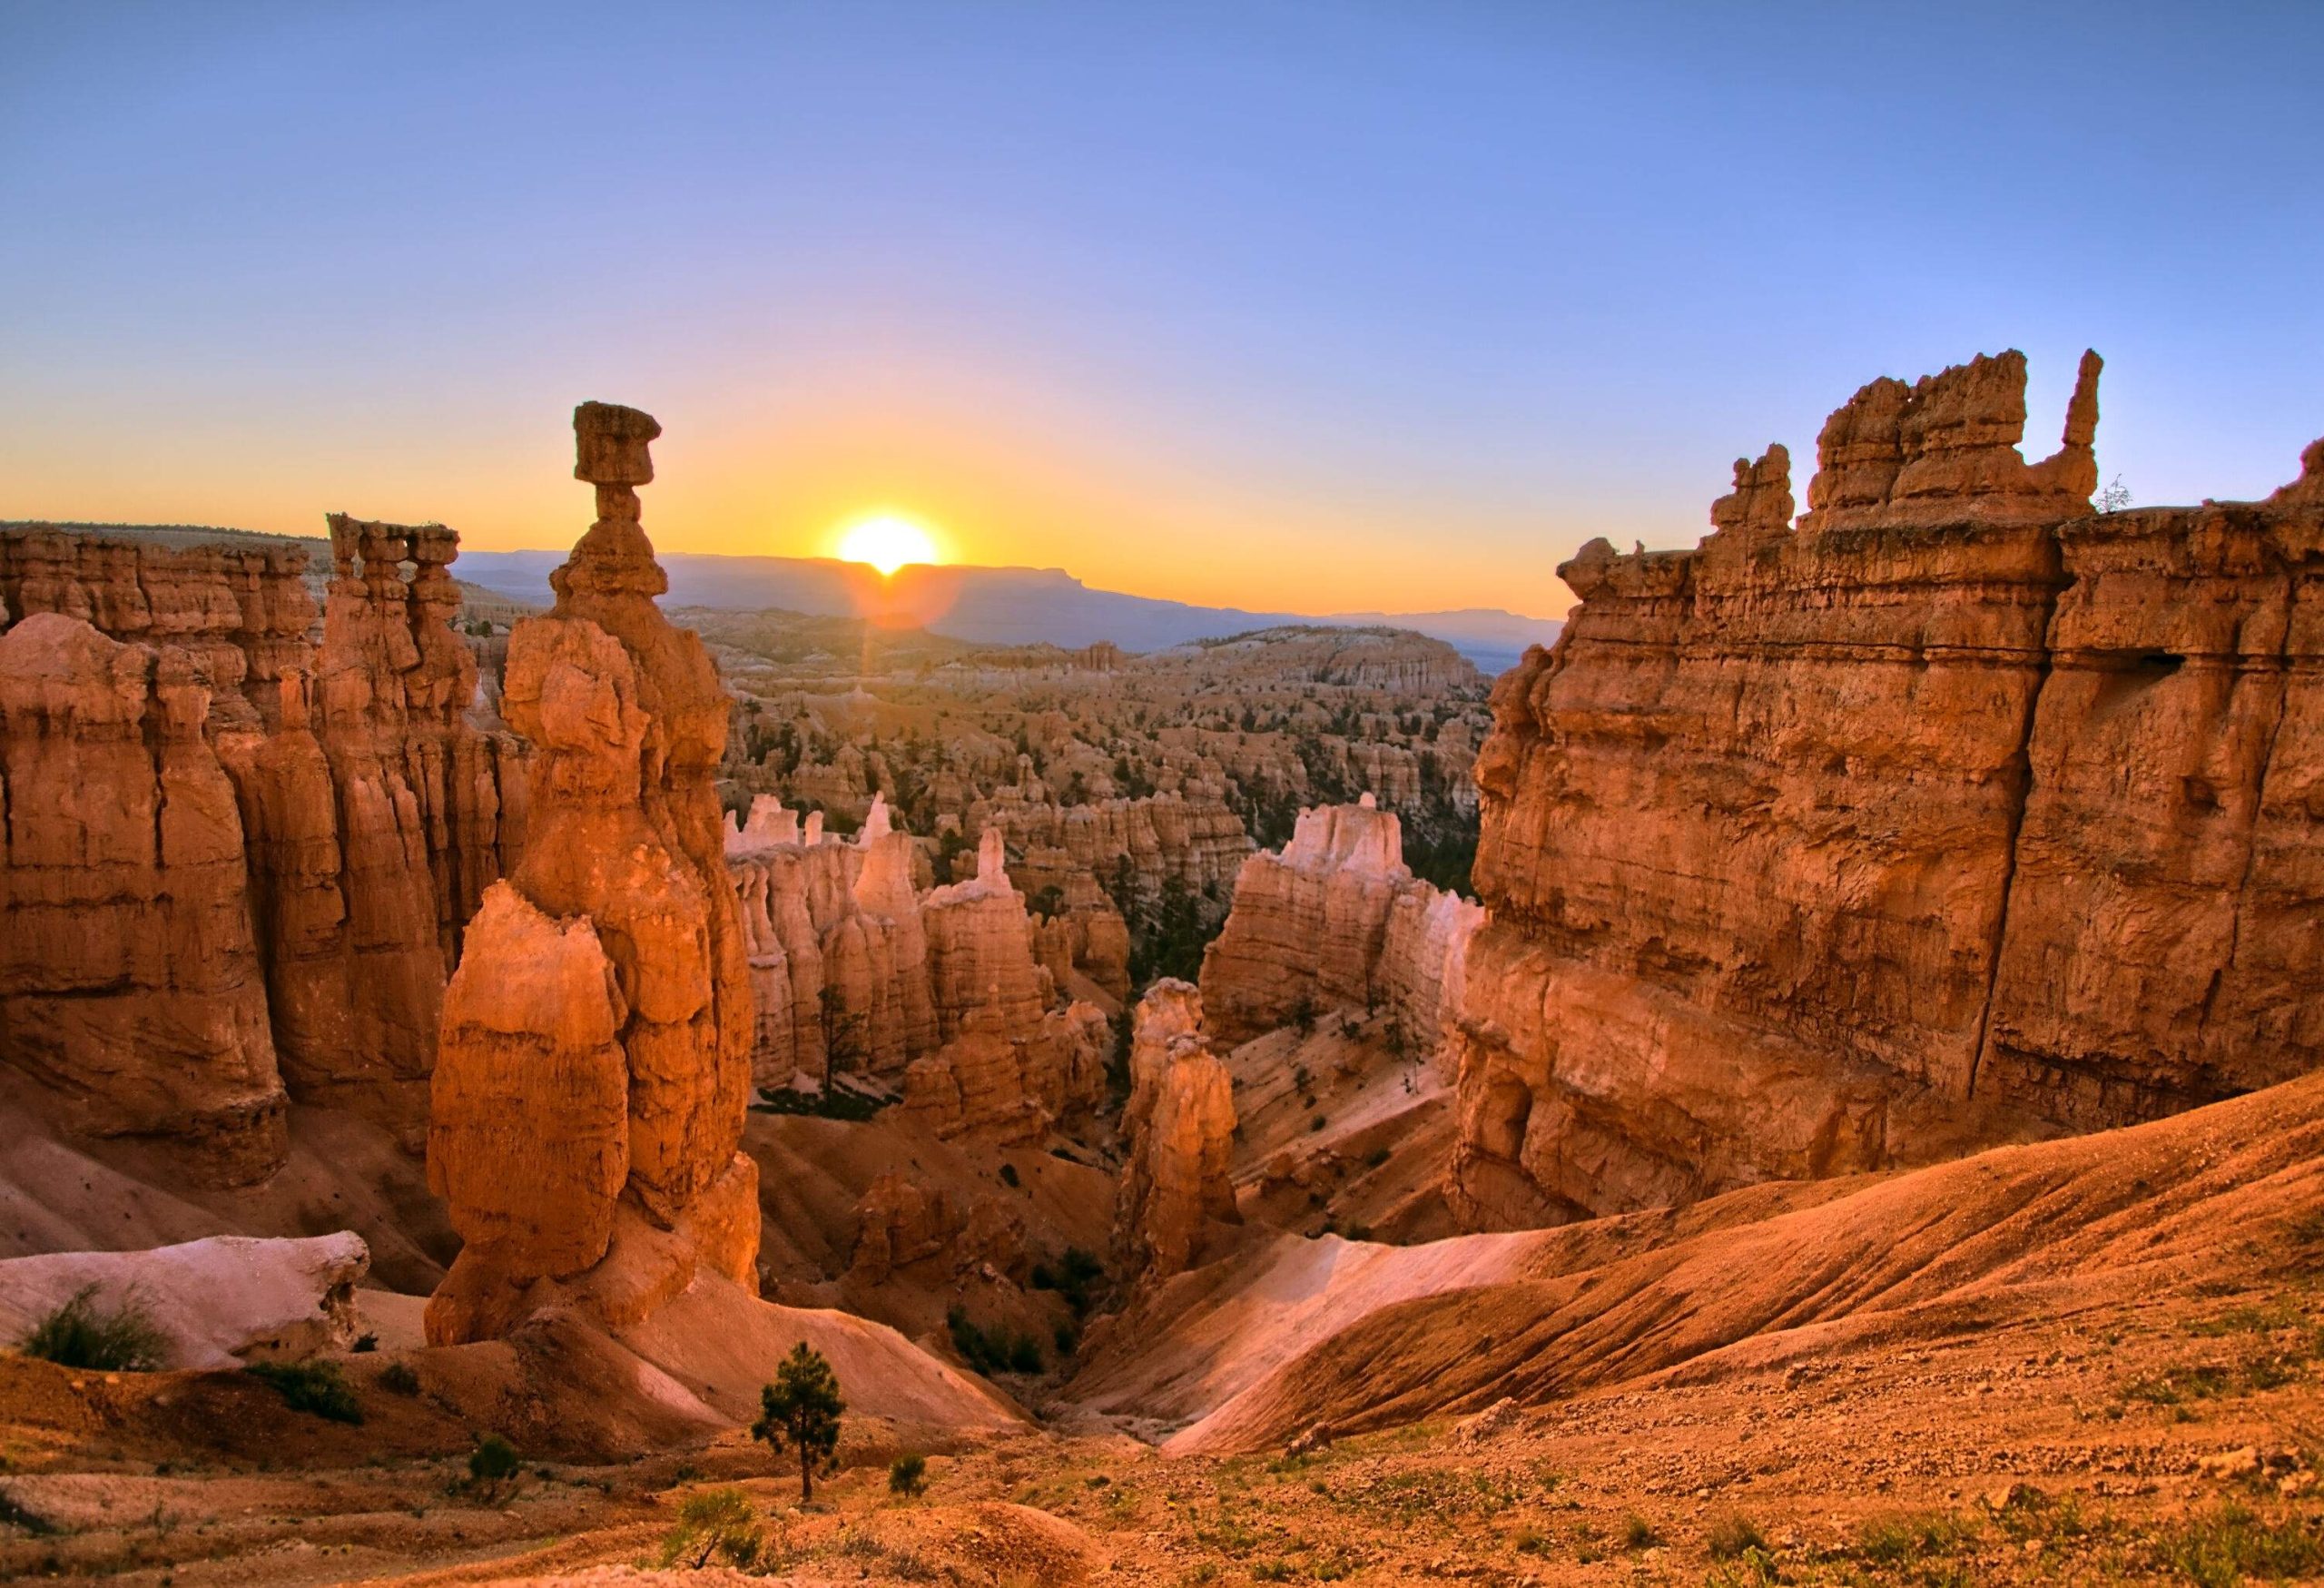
[[1000, 606]]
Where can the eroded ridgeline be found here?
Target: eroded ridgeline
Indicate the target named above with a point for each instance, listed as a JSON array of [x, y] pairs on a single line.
[[1954, 814]]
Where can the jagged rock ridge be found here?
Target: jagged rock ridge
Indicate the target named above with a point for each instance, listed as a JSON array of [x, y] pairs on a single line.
[[1954, 814], [944, 994]]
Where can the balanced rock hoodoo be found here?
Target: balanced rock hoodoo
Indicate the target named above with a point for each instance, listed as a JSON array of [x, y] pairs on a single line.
[[595, 1062]]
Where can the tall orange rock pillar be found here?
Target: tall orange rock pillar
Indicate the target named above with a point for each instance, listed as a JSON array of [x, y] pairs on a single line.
[[594, 1061]]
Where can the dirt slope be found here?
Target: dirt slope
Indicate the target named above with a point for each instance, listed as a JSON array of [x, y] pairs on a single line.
[[1362, 1337]]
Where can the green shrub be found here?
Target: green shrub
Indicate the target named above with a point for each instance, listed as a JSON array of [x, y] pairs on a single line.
[[84, 1333], [1000, 1349], [908, 1475], [492, 1463], [398, 1379], [1638, 1533], [312, 1386], [716, 1522], [1890, 1540], [2222, 1548]]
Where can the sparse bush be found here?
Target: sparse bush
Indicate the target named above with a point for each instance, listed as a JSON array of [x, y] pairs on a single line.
[[2222, 1548], [1638, 1533], [491, 1464], [908, 1475], [310, 1387], [1375, 1157], [1890, 1540], [85, 1333], [833, 1103], [715, 1523], [1066, 1338], [1732, 1534], [398, 1379], [1000, 1349], [1073, 1278], [366, 1342]]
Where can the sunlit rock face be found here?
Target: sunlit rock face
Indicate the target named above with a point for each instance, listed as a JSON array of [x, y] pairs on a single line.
[[595, 1062], [1178, 1128], [1336, 921], [364, 815], [129, 980], [1954, 815], [380, 814]]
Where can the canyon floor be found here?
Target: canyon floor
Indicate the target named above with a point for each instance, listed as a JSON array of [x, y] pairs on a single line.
[[2136, 1402]]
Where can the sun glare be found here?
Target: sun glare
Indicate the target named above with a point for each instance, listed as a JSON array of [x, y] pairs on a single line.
[[887, 542]]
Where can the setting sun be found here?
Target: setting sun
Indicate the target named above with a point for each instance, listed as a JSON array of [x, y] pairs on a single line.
[[887, 542]]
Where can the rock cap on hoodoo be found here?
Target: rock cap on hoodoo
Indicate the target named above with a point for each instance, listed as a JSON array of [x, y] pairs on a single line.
[[614, 444]]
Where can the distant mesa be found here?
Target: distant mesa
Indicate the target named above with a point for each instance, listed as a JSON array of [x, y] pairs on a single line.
[[1000, 606]]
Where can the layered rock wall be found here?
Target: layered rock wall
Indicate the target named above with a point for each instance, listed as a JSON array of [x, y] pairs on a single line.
[[1954, 814], [1189, 838], [378, 813], [130, 979], [366, 814]]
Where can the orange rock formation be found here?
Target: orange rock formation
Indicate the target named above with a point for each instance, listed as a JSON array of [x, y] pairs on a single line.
[[1954, 815], [1336, 921], [129, 980], [595, 1065], [941, 993], [364, 815], [1179, 1130]]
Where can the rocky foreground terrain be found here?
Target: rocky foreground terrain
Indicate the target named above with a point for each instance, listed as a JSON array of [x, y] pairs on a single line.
[[1865, 1127]]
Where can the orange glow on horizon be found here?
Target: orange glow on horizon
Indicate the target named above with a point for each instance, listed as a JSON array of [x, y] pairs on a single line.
[[738, 476]]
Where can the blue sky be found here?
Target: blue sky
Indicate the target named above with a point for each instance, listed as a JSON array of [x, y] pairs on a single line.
[[1313, 306]]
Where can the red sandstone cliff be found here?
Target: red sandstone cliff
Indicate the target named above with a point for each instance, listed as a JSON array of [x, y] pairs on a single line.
[[1954, 814], [365, 816], [130, 981]]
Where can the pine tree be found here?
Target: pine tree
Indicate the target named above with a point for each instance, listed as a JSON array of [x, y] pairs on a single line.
[[802, 1409]]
